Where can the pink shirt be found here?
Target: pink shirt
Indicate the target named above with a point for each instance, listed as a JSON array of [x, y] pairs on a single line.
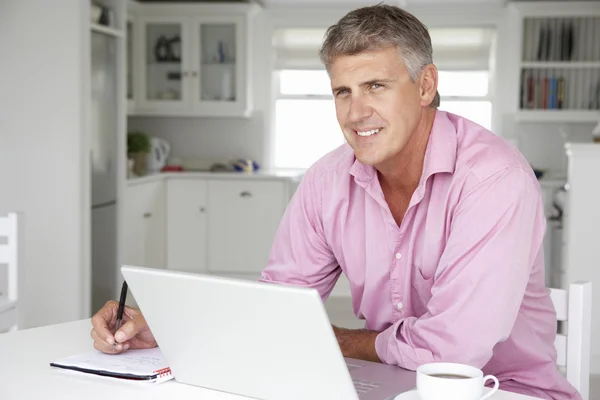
[[460, 280]]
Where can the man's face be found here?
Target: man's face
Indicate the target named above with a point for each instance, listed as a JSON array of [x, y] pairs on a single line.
[[378, 106]]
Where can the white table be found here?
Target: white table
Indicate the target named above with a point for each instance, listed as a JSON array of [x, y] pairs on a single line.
[[25, 372]]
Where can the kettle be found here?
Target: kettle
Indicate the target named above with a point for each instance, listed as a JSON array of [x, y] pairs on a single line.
[[159, 153]]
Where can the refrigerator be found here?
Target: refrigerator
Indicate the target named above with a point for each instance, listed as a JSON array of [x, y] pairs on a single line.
[[104, 161]]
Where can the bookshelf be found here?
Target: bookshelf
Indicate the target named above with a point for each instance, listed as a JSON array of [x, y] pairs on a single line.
[[560, 68]]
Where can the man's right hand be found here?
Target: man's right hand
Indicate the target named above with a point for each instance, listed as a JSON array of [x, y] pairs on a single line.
[[133, 334]]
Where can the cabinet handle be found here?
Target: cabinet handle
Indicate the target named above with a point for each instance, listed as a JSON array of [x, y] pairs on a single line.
[[185, 74], [245, 194], [147, 215], [202, 209], [194, 74]]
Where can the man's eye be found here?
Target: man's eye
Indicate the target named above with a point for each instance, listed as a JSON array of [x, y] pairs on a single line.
[[376, 86], [341, 92]]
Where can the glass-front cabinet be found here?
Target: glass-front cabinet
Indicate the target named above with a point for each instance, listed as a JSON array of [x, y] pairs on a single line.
[[221, 62], [218, 54], [162, 71], [191, 61]]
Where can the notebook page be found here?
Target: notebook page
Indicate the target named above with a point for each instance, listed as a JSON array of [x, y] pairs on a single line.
[[139, 362]]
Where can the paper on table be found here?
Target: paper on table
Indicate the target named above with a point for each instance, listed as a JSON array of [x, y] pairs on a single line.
[[147, 365]]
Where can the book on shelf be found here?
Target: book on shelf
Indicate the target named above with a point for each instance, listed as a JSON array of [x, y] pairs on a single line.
[[561, 39], [542, 92]]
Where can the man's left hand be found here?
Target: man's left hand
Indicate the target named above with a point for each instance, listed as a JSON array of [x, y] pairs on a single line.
[[357, 343]]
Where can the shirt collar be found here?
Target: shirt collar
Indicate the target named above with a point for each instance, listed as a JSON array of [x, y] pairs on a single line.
[[440, 155]]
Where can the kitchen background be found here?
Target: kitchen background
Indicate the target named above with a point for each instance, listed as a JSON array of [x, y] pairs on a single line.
[[219, 82]]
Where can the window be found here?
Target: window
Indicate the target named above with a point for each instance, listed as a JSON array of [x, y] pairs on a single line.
[[466, 93], [305, 123], [306, 127]]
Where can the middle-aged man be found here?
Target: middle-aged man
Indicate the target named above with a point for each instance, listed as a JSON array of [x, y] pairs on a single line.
[[436, 222]]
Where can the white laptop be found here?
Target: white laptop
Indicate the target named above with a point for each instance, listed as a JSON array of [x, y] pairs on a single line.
[[259, 340]]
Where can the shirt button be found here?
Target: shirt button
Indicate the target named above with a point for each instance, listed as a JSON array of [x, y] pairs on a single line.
[[400, 306], [398, 256]]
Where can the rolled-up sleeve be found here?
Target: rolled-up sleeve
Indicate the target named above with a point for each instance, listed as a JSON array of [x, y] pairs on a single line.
[[496, 233], [300, 254]]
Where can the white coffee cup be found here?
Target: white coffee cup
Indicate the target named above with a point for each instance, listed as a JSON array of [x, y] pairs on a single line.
[[450, 381]]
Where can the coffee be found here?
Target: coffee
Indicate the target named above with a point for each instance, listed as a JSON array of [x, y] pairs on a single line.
[[450, 376]]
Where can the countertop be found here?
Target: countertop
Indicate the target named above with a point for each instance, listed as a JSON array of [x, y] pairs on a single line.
[[549, 180], [291, 175]]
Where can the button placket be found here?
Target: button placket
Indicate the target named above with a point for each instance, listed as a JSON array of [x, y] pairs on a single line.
[[396, 275]]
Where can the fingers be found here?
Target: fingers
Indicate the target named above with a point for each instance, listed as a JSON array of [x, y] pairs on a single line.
[[104, 347], [103, 319], [130, 328]]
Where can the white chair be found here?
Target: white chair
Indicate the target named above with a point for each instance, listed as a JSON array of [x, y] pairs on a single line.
[[9, 258], [574, 307]]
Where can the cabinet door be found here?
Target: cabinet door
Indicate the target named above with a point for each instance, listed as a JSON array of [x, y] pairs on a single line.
[[154, 226], [220, 63], [133, 226], [144, 225], [187, 225], [244, 217], [164, 68]]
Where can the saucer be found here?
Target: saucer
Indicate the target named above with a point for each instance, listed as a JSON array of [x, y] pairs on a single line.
[[410, 395]]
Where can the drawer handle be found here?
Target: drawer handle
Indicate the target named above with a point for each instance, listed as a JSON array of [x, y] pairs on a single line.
[[245, 194], [202, 209], [147, 215]]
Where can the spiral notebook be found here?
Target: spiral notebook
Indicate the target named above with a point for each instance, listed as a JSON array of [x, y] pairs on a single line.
[[142, 365]]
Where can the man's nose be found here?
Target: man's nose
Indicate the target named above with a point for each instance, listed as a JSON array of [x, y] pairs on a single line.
[[359, 109]]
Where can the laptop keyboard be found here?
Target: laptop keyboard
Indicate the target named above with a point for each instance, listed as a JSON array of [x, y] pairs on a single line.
[[363, 387], [352, 366]]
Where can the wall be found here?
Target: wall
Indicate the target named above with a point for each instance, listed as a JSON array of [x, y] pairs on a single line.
[[41, 174], [543, 144]]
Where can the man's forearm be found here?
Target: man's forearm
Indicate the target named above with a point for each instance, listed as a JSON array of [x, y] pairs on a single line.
[[359, 343]]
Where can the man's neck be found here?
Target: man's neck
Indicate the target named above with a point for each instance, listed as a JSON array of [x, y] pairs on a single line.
[[403, 173]]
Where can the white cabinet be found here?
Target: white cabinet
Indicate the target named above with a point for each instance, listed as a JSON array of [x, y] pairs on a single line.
[[204, 225], [243, 218], [187, 224], [144, 225], [192, 60], [581, 229], [163, 87]]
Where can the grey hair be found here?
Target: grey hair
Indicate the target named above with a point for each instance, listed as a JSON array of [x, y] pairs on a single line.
[[379, 27]]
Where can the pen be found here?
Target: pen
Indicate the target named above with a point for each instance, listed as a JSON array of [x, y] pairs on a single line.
[[121, 305]]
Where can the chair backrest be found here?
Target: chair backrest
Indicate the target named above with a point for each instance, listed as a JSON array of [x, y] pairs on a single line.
[[574, 307], [9, 256]]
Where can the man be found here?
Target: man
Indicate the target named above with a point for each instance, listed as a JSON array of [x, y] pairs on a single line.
[[437, 223]]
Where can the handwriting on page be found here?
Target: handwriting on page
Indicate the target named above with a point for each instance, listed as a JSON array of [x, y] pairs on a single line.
[[153, 361]]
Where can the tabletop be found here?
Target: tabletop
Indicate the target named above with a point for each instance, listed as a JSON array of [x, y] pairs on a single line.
[[25, 372]]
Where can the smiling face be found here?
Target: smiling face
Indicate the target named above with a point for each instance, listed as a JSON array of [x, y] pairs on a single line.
[[378, 105]]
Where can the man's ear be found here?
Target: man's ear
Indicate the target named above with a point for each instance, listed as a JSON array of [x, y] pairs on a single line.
[[428, 81]]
